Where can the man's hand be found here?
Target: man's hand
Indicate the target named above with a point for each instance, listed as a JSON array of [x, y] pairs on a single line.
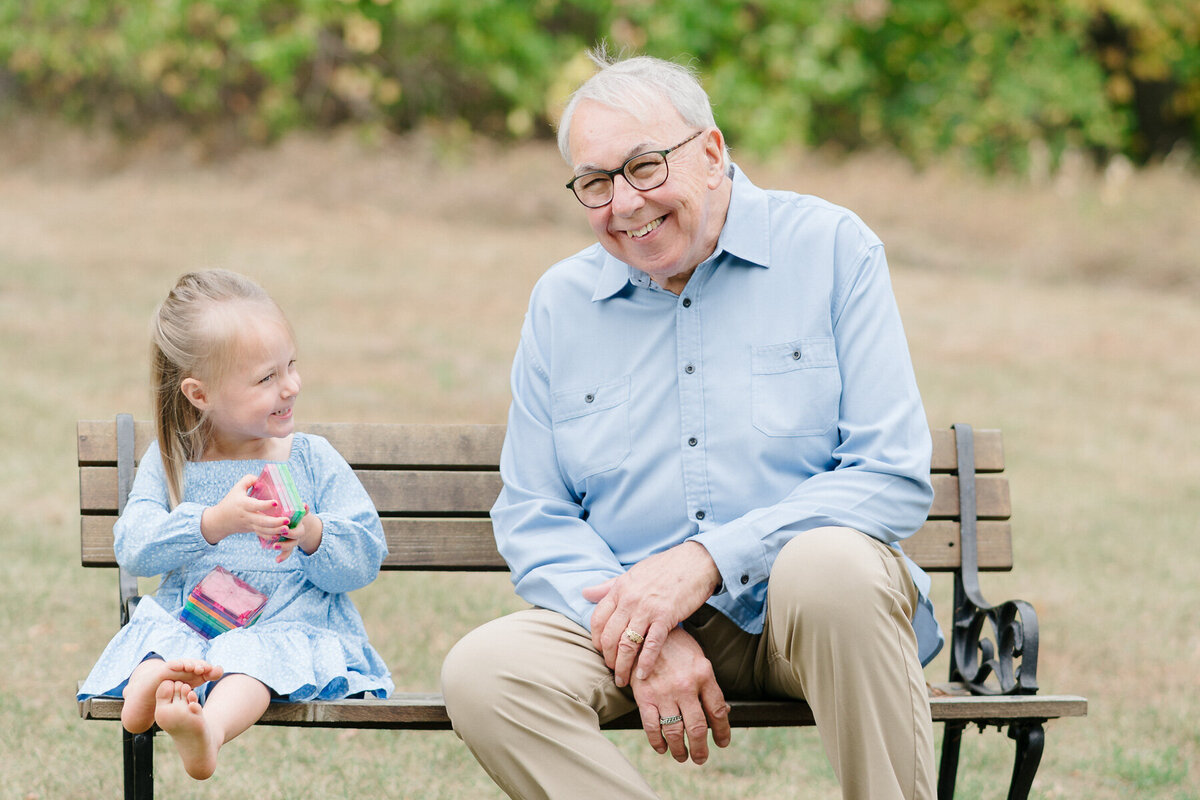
[[682, 684], [651, 599]]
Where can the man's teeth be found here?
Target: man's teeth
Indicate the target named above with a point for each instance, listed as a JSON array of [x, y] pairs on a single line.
[[640, 232]]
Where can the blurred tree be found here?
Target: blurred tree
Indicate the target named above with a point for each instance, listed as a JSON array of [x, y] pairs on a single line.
[[991, 80]]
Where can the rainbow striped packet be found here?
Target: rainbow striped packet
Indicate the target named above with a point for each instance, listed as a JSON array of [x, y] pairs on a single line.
[[221, 602], [276, 484]]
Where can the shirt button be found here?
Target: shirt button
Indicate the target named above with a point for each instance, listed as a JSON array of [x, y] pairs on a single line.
[[699, 515], [692, 442], [587, 398], [745, 579], [687, 302], [689, 369], [796, 355]]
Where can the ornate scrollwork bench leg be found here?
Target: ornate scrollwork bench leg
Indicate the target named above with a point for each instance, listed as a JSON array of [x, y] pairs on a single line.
[[951, 740], [139, 765], [1031, 739]]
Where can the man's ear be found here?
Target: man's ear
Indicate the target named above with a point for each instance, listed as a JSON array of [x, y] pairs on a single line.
[[195, 392], [714, 155]]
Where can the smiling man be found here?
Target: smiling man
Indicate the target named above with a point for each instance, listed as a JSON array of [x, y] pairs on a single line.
[[714, 446]]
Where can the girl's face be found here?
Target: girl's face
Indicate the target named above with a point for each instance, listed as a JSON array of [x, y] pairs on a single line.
[[253, 401]]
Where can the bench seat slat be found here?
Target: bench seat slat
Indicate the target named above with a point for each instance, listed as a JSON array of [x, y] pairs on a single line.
[[425, 711]]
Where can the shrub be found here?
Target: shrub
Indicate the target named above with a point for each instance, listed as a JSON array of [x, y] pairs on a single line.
[[984, 78]]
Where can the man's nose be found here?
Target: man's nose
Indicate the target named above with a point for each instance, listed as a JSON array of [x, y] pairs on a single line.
[[626, 199]]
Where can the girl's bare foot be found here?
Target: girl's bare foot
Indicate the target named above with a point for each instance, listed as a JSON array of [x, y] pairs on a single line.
[[179, 713], [137, 715]]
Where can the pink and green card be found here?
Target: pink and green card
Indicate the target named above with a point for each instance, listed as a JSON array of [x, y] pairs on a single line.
[[276, 484]]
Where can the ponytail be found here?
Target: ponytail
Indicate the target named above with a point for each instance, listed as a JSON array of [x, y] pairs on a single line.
[[190, 340]]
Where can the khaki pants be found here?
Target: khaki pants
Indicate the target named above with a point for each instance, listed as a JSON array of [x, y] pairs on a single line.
[[527, 692]]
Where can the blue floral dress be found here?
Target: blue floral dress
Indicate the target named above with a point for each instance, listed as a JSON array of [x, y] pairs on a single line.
[[309, 643]]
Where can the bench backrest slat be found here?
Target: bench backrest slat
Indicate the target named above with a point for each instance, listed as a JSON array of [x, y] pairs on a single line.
[[380, 445], [433, 486], [469, 493]]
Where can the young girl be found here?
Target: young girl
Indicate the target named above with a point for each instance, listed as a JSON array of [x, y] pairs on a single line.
[[225, 382]]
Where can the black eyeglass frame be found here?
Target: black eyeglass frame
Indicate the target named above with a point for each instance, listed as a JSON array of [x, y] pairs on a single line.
[[612, 174]]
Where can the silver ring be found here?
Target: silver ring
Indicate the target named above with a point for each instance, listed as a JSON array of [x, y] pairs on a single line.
[[670, 720], [634, 636]]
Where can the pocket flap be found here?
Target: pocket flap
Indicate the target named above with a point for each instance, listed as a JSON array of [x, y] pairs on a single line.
[[797, 354], [570, 403]]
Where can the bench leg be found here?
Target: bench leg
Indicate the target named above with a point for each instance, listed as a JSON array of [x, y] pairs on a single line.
[[1031, 739], [139, 764], [951, 740]]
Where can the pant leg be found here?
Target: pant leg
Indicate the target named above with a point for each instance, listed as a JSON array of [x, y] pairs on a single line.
[[527, 694], [838, 633]]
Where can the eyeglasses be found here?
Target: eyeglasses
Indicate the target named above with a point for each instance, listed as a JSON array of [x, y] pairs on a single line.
[[644, 172]]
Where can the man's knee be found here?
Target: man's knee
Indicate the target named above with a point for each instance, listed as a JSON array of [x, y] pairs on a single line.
[[835, 574], [504, 663], [471, 669]]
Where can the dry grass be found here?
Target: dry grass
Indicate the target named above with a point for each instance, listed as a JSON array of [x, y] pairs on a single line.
[[1062, 311]]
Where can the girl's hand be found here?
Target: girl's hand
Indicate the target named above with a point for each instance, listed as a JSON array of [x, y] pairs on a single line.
[[306, 535], [238, 512]]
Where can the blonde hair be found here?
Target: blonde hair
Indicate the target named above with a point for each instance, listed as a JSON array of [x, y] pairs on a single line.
[[195, 334]]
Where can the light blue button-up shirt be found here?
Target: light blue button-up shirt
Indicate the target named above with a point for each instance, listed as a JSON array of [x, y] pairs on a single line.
[[774, 395]]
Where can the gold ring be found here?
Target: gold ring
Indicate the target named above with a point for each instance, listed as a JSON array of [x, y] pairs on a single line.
[[634, 636]]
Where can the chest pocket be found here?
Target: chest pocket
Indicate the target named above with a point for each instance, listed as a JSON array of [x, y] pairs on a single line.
[[796, 387], [591, 427]]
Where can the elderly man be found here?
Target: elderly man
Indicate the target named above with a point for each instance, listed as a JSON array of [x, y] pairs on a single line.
[[714, 445]]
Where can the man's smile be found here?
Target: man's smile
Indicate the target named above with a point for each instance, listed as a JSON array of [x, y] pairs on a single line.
[[649, 226]]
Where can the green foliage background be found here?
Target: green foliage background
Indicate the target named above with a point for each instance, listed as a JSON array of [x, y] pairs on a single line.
[[994, 81]]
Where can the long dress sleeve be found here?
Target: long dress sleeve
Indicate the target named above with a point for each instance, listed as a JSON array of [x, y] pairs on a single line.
[[353, 545], [150, 538]]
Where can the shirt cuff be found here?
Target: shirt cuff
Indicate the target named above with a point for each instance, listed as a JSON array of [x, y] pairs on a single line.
[[738, 553]]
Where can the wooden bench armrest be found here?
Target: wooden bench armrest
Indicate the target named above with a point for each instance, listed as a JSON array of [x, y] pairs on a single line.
[[993, 647]]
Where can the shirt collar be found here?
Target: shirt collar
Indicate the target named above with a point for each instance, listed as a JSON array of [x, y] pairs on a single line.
[[746, 236]]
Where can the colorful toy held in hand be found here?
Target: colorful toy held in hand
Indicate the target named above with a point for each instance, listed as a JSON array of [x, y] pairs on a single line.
[[276, 484], [221, 602]]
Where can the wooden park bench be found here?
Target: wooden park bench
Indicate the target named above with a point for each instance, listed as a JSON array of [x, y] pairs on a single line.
[[433, 486]]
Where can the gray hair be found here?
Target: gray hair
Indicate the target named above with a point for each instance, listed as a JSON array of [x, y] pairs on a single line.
[[639, 85]]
